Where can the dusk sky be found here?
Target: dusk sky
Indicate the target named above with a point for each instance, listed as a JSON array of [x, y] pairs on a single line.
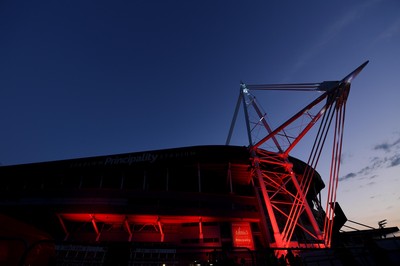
[[89, 78]]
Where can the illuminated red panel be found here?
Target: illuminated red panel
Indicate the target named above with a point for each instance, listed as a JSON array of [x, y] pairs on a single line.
[[141, 218], [242, 236]]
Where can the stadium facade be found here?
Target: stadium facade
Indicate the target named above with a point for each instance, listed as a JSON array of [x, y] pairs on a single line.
[[175, 204]]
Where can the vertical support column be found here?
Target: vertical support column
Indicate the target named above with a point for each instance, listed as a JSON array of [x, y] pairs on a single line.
[[335, 167], [161, 230], [128, 228], [201, 235], [267, 202], [101, 181], [167, 181], [96, 229], [64, 227], [246, 116], [228, 140], [230, 178], [122, 181], [144, 180], [199, 176], [263, 218]]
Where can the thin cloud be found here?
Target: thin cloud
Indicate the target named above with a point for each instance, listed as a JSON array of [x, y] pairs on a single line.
[[387, 147], [362, 172], [348, 176], [381, 162], [395, 161], [388, 33], [375, 196], [390, 158], [392, 150], [383, 146], [330, 33], [376, 164]]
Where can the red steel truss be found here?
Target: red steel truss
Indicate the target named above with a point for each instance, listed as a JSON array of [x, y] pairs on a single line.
[[291, 209]]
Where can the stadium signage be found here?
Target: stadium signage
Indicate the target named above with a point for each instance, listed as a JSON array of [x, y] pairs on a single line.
[[130, 159], [133, 158], [242, 236]]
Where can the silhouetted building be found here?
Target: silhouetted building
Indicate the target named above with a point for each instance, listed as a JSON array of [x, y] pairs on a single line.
[[194, 205]]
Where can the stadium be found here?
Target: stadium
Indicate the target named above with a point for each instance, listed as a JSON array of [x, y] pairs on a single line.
[[201, 198], [199, 205]]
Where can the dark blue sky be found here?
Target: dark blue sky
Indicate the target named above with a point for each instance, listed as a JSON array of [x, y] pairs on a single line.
[[86, 78]]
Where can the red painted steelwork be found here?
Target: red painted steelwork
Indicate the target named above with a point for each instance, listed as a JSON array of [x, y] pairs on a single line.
[[283, 190]]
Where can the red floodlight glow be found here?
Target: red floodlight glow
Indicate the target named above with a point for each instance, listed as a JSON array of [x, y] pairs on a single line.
[[279, 189]]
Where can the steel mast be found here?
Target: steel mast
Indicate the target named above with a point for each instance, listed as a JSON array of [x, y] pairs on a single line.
[[282, 190]]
